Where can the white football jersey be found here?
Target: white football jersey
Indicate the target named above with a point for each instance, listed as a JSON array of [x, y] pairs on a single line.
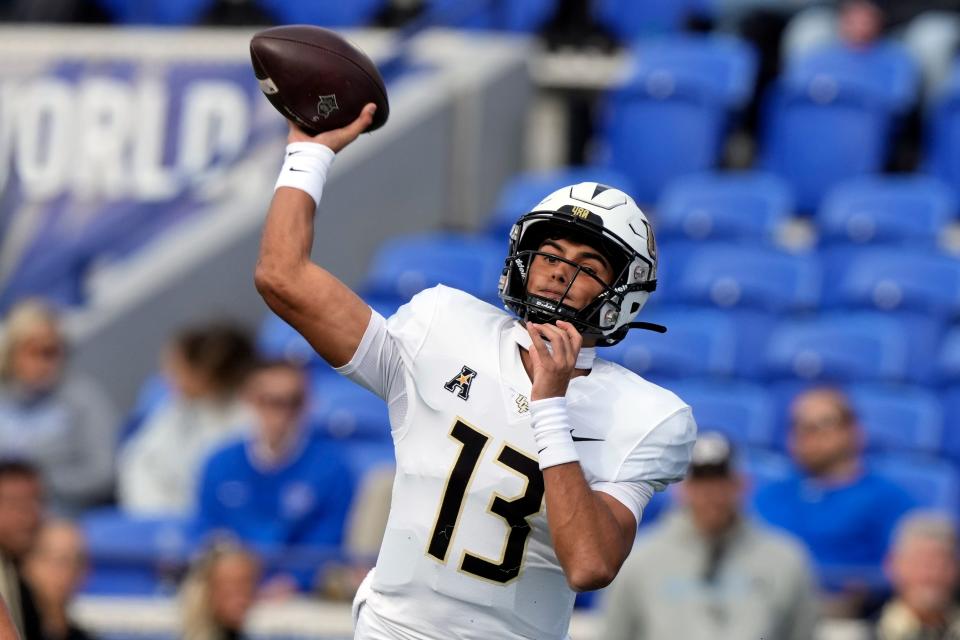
[[467, 550]]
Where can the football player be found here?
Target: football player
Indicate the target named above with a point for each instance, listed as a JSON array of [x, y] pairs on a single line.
[[524, 461]]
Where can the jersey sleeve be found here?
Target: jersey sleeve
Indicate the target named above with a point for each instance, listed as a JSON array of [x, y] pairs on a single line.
[[657, 460], [387, 350]]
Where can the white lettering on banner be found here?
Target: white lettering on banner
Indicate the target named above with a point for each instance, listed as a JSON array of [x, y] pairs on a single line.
[[103, 128], [8, 92], [44, 137], [151, 179], [215, 125], [105, 137]]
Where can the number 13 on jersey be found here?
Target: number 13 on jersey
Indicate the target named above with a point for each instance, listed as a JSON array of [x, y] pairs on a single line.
[[514, 511]]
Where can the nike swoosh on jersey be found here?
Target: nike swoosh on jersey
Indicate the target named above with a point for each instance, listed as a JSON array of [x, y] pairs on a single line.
[[580, 439]]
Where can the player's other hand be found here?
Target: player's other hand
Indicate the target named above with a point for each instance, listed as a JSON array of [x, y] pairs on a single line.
[[552, 371], [336, 139]]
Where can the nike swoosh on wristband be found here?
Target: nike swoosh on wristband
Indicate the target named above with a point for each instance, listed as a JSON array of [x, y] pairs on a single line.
[[293, 153], [298, 170]]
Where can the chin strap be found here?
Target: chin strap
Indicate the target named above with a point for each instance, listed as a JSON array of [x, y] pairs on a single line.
[[649, 326]]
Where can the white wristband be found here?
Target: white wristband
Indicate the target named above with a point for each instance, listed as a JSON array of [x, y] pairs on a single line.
[[305, 167], [551, 431]]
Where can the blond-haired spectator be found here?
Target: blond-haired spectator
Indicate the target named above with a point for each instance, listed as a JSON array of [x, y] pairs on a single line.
[[923, 569], [55, 569], [60, 421], [219, 592]]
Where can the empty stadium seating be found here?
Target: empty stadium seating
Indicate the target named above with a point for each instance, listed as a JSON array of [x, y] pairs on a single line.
[[629, 20], [724, 205], [885, 71], [698, 342], [739, 275], [886, 209], [819, 134], [853, 346], [893, 278], [660, 128], [502, 15], [405, 266], [724, 66]]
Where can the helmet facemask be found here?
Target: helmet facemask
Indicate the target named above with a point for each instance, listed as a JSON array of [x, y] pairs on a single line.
[[597, 320]]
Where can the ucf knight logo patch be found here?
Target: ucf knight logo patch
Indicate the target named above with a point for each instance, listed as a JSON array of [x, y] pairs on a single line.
[[460, 383]]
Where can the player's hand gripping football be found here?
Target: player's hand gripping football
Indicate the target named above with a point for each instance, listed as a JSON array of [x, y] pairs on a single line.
[[552, 371], [336, 139]]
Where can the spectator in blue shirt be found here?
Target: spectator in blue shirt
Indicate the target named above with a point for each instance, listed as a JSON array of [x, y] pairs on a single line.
[[844, 513], [281, 486]]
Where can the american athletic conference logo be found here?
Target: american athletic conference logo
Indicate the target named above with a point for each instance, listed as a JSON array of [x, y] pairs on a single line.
[[460, 383]]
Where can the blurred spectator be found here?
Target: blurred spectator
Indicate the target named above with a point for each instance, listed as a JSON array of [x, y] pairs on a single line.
[[21, 514], [923, 569], [159, 466], [929, 29], [707, 571], [844, 513], [283, 485], [62, 422], [55, 568], [219, 592]]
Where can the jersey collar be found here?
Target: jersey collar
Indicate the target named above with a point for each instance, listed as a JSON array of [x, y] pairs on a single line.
[[584, 359]]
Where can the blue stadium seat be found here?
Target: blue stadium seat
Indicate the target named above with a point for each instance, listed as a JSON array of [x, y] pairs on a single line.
[[724, 206], [526, 16], [892, 278], [723, 65], [943, 134], [340, 409], [885, 71], [743, 411], [886, 209], [948, 360], [761, 468], [326, 13], [658, 129], [135, 556], [739, 275], [522, 192], [153, 392], [859, 346], [898, 418], [404, 266], [820, 135], [698, 342], [168, 12], [931, 483], [278, 340], [950, 446], [364, 456], [629, 19]]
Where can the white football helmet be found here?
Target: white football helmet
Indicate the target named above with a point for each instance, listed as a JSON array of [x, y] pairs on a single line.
[[608, 220]]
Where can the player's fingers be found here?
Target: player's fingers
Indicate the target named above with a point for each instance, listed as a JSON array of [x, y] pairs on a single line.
[[539, 350], [560, 343], [363, 121], [340, 138], [576, 340]]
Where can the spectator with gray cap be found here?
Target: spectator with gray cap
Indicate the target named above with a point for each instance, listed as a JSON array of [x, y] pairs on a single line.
[[924, 571], [707, 571]]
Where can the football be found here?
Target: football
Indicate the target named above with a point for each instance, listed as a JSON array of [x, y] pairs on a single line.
[[316, 78]]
